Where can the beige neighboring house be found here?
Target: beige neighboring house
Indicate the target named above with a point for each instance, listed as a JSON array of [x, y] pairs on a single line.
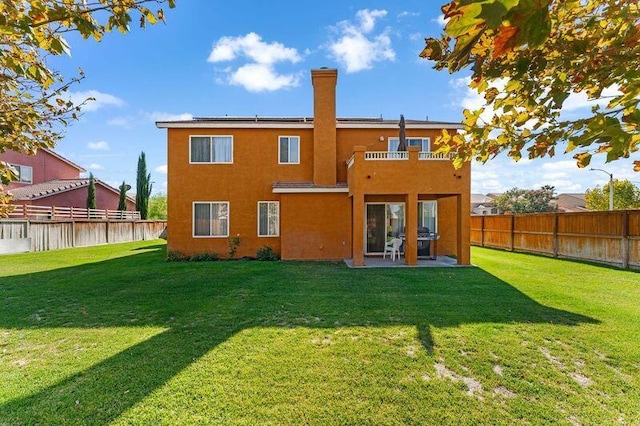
[[483, 204], [570, 203]]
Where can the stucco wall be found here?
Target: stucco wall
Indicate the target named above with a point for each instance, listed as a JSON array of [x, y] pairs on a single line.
[[318, 226], [45, 166]]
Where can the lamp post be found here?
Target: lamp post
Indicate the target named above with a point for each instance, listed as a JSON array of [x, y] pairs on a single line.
[[610, 185]]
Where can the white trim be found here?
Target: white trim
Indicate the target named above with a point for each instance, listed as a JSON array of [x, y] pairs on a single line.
[[425, 126], [211, 142], [193, 219], [224, 125], [19, 168], [263, 125], [436, 216], [278, 219], [308, 190], [279, 140]]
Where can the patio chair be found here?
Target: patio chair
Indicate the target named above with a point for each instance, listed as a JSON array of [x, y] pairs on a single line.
[[394, 247]]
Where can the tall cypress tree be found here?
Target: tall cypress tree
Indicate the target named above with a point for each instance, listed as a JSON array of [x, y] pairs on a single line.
[[122, 203], [143, 187], [91, 193]]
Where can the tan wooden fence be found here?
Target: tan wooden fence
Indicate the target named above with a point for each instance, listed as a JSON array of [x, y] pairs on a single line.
[[26, 211], [611, 238], [18, 236]]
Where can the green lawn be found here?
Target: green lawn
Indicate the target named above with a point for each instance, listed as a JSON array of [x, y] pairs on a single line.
[[113, 334]]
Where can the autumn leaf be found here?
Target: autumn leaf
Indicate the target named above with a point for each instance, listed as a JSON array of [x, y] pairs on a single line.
[[504, 40]]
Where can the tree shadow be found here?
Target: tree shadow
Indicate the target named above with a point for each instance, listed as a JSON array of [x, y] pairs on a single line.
[[203, 304]]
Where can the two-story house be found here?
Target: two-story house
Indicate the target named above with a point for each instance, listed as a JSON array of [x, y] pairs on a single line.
[[49, 179], [316, 187]]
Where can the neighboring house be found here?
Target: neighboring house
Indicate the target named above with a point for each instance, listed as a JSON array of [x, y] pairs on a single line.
[[570, 203], [48, 179], [483, 205], [313, 188]]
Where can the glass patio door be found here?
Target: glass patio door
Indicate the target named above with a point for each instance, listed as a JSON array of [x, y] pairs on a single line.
[[384, 221]]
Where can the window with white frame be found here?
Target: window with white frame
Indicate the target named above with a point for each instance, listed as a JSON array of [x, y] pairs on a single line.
[[25, 173], [268, 218], [428, 216], [289, 150], [423, 143], [210, 219], [211, 149]]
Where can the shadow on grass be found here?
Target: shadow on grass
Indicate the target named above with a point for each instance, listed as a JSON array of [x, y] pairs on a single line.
[[204, 304]]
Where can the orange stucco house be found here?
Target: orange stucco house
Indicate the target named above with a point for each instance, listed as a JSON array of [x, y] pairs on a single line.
[[313, 188]]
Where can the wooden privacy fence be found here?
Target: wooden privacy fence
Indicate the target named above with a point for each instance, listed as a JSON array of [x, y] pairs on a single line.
[[610, 237], [26, 211], [36, 235]]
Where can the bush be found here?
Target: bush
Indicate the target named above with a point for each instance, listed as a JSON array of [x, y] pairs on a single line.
[[175, 256], [234, 243], [203, 257], [266, 253]]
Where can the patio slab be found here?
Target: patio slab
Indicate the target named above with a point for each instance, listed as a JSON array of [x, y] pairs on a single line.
[[379, 262]]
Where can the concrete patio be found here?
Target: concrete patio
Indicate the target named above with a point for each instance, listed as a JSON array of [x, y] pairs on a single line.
[[379, 262]]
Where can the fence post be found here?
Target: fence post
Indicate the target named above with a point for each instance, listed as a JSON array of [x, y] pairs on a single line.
[[625, 239], [482, 232], [513, 223], [555, 235], [107, 230]]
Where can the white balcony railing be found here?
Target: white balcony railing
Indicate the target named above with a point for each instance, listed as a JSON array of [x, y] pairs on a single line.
[[386, 155], [428, 155], [401, 155]]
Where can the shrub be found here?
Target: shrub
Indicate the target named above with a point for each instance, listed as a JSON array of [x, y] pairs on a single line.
[[266, 253], [233, 244], [203, 257], [175, 256]]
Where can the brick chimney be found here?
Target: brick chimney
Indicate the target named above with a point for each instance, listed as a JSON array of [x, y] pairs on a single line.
[[324, 126]]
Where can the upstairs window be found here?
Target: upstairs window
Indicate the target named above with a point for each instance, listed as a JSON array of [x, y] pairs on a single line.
[[289, 150], [423, 143], [211, 149], [25, 173]]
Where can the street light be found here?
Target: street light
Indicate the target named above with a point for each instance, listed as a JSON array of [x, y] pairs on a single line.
[[610, 185]]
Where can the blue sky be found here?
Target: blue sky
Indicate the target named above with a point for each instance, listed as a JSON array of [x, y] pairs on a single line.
[[251, 57]]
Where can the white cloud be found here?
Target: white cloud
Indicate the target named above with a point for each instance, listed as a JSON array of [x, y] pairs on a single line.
[[95, 166], [580, 100], [259, 75], [440, 20], [355, 48], [407, 14], [166, 116], [100, 100], [559, 166], [251, 46], [367, 18], [98, 146], [161, 169], [262, 78], [125, 122]]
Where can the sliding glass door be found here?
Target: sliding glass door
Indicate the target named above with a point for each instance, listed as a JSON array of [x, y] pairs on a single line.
[[384, 221]]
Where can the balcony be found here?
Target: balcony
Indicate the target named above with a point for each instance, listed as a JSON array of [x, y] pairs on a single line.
[[383, 172]]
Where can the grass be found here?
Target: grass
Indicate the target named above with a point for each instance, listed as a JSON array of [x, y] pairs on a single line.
[[113, 334]]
